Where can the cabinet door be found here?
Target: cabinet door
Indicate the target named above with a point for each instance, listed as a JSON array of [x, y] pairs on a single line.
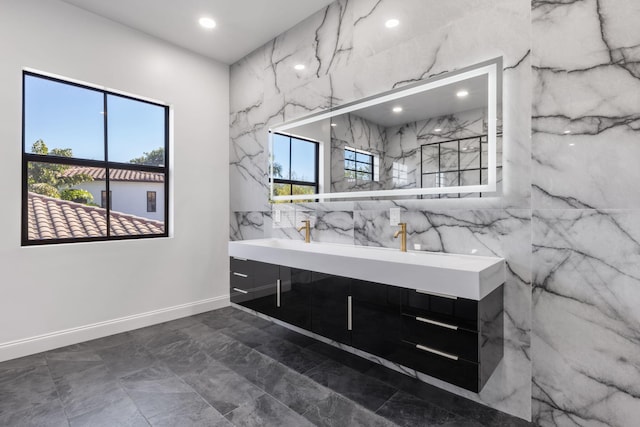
[[376, 318], [253, 285], [293, 302], [329, 302]]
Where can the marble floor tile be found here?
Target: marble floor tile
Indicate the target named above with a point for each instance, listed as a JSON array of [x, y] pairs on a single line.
[[407, 410], [44, 414], [444, 399], [289, 335], [248, 335], [352, 384], [291, 355], [341, 356], [337, 411], [126, 359], [120, 413], [23, 387], [224, 389], [189, 373], [266, 411], [297, 391]]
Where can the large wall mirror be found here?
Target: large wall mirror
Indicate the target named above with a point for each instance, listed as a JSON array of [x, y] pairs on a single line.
[[437, 138]]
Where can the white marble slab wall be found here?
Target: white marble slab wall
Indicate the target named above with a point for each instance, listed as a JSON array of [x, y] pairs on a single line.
[[349, 54], [586, 218]]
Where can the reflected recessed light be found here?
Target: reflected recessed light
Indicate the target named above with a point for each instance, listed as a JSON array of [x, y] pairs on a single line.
[[567, 132], [397, 109], [462, 93], [392, 23], [437, 130], [207, 23], [333, 125], [299, 67]]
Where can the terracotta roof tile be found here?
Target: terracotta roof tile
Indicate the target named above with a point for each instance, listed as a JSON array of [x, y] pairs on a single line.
[[50, 218], [99, 174]]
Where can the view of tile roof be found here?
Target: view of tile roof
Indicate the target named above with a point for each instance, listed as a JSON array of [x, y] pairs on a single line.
[[99, 174], [51, 218]]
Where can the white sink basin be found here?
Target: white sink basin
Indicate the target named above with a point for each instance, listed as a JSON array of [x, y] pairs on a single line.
[[464, 276]]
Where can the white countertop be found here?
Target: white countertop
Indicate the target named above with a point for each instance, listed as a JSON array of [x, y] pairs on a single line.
[[464, 276]]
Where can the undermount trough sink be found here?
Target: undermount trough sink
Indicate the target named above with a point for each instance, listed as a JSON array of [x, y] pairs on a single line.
[[463, 276]]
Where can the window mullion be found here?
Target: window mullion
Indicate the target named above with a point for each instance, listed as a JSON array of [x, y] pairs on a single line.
[[106, 165]]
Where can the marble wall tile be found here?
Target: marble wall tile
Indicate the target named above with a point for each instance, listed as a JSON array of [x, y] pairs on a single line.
[[247, 225], [586, 115], [586, 330]]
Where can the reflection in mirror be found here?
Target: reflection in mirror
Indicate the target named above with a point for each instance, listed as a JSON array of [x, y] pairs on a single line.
[[439, 138]]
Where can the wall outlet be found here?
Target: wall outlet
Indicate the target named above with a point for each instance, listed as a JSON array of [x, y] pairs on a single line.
[[394, 216], [277, 216]]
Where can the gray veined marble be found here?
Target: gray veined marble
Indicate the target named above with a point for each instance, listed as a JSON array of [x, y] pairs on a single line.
[[586, 117], [587, 330]]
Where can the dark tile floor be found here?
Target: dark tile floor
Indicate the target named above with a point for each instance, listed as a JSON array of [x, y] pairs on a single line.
[[221, 368]]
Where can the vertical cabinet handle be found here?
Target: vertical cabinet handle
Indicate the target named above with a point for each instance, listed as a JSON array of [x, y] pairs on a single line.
[[278, 293], [349, 314]]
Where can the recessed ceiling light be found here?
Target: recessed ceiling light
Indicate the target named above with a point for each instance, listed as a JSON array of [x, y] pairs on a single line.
[[207, 23], [397, 109], [462, 93], [299, 67], [333, 125], [572, 144], [392, 23], [437, 130], [567, 132]]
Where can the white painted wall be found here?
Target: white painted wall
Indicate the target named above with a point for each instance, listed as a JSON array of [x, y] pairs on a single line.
[[45, 292], [129, 197]]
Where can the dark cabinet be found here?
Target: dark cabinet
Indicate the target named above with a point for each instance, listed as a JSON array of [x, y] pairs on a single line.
[[293, 297], [330, 306], [457, 340], [376, 318], [254, 284]]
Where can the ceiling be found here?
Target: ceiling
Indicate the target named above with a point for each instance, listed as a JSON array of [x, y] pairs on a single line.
[[242, 25], [436, 102]]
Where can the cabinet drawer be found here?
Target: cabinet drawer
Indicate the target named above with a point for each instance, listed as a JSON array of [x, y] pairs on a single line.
[[241, 265], [440, 336], [241, 281], [458, 372], [456, 311]]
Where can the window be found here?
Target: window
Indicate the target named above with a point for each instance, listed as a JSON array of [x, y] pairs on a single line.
[[359, 166], [295, 165], [83, 146], [151, 201], [456, 162]]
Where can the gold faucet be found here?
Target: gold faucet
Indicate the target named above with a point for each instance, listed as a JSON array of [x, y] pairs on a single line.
[[403, 236], [307, 230]]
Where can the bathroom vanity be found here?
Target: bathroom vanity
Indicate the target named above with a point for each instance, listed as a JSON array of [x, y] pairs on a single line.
[[429, 313]]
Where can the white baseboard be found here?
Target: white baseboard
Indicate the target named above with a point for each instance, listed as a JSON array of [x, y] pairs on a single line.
[[27, 346]]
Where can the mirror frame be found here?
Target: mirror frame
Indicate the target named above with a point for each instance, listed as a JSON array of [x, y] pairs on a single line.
[[492, 68]]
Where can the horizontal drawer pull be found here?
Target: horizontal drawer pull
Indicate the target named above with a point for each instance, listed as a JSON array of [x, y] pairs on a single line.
[[433, 322], [240, 275], [240, 259], [242, 291], [434, 351], [435, 294]]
